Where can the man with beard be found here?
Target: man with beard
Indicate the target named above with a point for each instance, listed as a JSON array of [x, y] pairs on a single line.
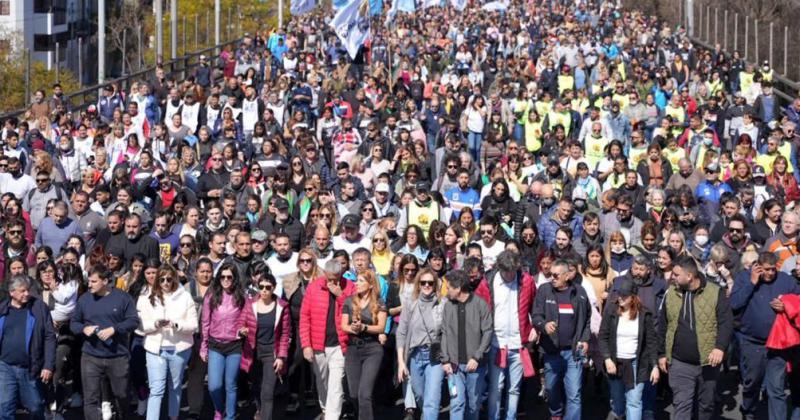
[[383, 205], [35, 202], [421, 211], [284, 223], [560, 180], [351, 239], [114, 227], [449, 179], [15, 245], [15, 181], [561, 215], [212, 182], [54, 231], [242, 258], [591, 234], [239, 189], [462, 195], [686, 175], [452, 145], [260, 245], [729, 207], [784, 243], [625, 222], [348, 203], [134, 241], [90, 222], [283, 262], [632, 188]]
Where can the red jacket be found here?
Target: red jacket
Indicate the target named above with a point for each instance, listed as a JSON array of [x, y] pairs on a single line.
[[525, 296], [314, 313], [785, 332], [283, 332]]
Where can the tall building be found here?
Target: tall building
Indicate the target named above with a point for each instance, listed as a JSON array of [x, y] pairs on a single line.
[[44, 24]]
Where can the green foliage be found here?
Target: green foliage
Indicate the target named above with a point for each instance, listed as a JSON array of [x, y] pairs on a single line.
[[12, 89]]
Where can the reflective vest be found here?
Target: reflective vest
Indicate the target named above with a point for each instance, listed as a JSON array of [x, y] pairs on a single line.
[[565, 82], [533, 136], [521, 109], [580, 105], [556, 118], [423, 216], [767, 76], [678, 114], [714, 87], [745, 81], [542, 107], [595, 149], [674, 157]]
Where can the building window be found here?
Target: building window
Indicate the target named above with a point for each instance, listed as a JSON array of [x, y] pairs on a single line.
[[5, 7], [59, 12], [42, 6]]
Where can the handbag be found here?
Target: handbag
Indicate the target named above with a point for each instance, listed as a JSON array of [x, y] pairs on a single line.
[[435, 348]]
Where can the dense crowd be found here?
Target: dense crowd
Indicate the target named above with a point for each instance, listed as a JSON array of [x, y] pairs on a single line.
[[557, 196]]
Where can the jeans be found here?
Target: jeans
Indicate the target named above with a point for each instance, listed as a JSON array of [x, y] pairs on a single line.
[[467, 404], [94, 372], [626, 403], [519, 133], [497, 380], [761, 366], [18, 380], [474, 145], [426, 382], [692, 383], [361, 364], [163, 368], [223, 368], [563, 374], [649, 394]]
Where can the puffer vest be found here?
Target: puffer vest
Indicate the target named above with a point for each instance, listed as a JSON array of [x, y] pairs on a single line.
[[705, 318]]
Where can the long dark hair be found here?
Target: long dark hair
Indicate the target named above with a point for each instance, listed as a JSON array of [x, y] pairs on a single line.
[[217, 290], [603, 262], [139, 285]]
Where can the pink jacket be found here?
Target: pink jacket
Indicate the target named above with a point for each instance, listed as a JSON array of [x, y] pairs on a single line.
[[222, 324], [283, 333]]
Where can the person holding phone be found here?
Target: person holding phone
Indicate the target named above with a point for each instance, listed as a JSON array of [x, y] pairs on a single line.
[[169, 321], [223, 332], [628, 346]]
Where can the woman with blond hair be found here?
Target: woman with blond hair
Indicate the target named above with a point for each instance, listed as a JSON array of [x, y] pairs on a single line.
[[382, 253], [363, 319]]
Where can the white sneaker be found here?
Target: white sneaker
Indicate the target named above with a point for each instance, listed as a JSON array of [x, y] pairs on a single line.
[[141, 408], [105, 407]]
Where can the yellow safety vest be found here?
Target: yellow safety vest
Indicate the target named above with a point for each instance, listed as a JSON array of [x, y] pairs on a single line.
[[423, 216], [714, 87], [595, 149], [565, 119], [621, 99], [533, 136], [580, 105], [522, 107], [745, 81], [565, 82], [767, 76], [674, 157], [677, 113], [542, 107]]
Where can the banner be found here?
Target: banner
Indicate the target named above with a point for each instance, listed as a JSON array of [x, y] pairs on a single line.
[[407, 6], [459, 5], [351, 24], [375, 7], [495, 5], [338, 4], [300, 7], [431, 3]]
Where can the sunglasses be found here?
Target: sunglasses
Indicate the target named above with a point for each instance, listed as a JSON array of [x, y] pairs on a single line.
[[369, 209], [736, 230], [256, 169], [265, 286], [306, 261], [216, 159], [325, 215], [424, 283], [226, 277], [165, 280], [185, 245], [376, 240], [42, 180], [409, 270], [14, 232], [309, 189], [487, 232]]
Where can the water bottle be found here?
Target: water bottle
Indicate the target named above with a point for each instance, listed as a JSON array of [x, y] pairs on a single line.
[[451, 386]]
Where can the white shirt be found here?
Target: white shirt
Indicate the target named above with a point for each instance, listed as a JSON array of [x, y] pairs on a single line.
[[489, 253], [506, 319], [339, 242], [19, 187], [281, 270], [627, 337]]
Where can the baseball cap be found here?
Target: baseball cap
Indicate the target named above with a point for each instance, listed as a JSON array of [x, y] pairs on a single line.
[[382, 187], [423, 186], [713, 167], [626, 287], [553, 159], [259, 235], [351, 221], [758, 170], [280, 203]]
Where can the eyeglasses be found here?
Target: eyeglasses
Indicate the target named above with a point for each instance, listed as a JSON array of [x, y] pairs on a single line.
[[165, 280], [186, 245], [424, 283], [452, 166], [310, 150], [225, 277], [297, 164], [487, 232], [306, 261], [14, 232], [216, 159], [265, 286], [369, 209], [48, 208], [309, 189], [42, 180], [325, 215], [735, 230]]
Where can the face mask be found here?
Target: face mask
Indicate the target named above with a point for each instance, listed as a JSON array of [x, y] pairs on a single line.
[[580, 205], [701, 240], [618, 249], [64, 147], [548, 201], [707, 142]]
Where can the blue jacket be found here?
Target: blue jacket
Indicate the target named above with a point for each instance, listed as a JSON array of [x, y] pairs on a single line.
[[40, 335], [549, 224], [750, 303]]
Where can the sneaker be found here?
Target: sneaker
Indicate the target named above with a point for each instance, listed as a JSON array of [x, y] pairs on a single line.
[[218, 415], [141, 408], [105, 408]]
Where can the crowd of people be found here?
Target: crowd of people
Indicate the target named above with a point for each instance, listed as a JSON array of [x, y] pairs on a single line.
[[554, 198]]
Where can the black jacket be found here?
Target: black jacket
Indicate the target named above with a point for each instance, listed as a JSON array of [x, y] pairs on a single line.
[[292, 227], [545, 309], [42, 335], [646, 352]]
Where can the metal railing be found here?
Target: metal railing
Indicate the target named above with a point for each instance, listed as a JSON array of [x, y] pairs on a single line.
[[178, 68]]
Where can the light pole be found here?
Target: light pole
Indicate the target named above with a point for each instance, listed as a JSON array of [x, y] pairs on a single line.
[[101, 41]]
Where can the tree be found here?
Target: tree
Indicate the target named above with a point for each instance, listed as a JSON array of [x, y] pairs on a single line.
[[122, 31]]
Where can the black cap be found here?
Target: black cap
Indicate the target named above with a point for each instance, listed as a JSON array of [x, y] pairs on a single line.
[[423, 186], [280, 203], [626, 287], [351, 221]]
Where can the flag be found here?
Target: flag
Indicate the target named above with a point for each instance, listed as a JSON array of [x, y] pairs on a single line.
[[495, 5], [431, 3], [375, 7], [351, 24], [338, 4], [407, 6], [459, 5], [300, 7]]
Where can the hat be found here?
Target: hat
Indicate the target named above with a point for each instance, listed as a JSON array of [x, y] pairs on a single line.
[[259, 235], [382, 187], [713, 167], [116, 252], [758, 170], [553, 158], [423, 186], [203, 57], [579, 194], [91, 109], [280, 203], [626, 287], [351, 221]]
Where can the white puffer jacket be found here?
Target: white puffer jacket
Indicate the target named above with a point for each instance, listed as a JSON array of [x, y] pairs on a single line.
[[179, 309]]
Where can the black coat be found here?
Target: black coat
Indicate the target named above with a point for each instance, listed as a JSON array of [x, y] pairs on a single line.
[[646, 351]]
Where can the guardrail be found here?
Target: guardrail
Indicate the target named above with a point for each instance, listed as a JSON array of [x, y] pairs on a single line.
[[178, 68]]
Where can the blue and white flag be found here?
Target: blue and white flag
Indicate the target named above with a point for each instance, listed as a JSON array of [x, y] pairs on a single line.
[[459, 5], [495, 5], [408, 6], [338, 4], [351, 24], [301, 7], [431, 3], [375, 7]]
